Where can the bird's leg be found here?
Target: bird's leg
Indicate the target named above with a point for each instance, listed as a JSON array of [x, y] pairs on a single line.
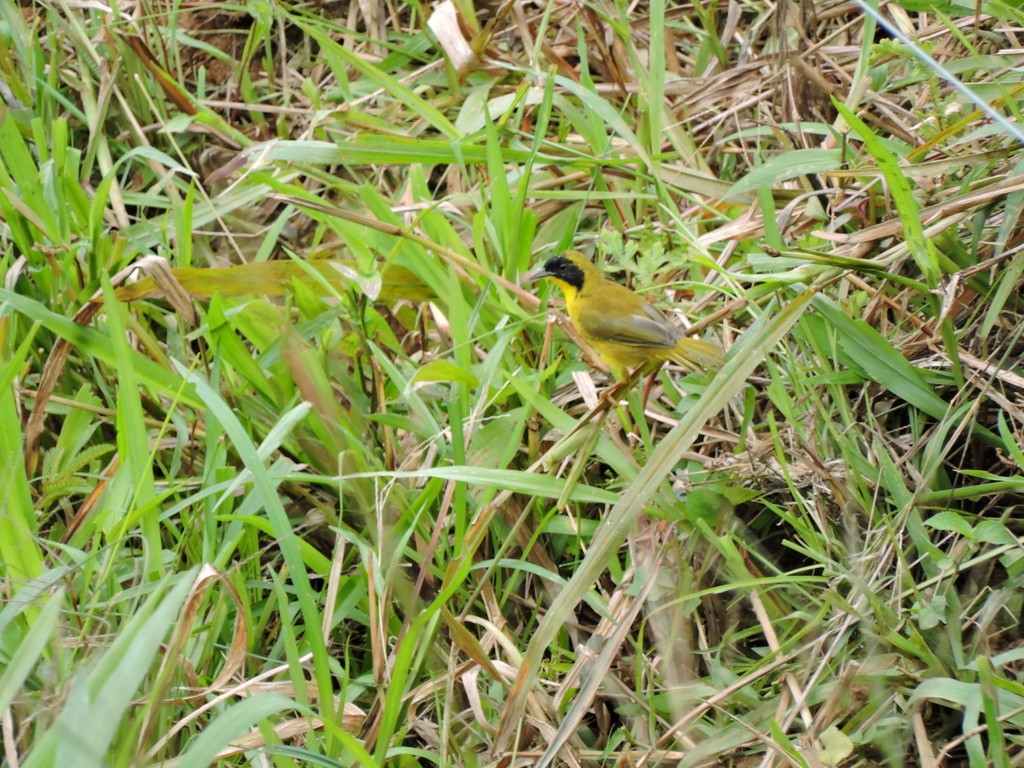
[[610, 398], [647, 388], [612, 392], [625, 378]]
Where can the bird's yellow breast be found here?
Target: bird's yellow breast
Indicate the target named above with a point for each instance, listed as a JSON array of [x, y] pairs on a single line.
[[570, 293]]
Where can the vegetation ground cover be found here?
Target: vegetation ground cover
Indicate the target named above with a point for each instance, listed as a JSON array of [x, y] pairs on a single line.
[[294, 471]]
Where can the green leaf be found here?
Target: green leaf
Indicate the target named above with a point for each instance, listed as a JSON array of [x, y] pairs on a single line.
[[950, 521], [836, 746], [528, 483], [868, 350], [789, 165], [233, 722], [994, 532], [445, 371]]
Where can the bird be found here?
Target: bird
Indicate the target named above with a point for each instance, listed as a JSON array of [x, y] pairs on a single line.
[[626, 330]]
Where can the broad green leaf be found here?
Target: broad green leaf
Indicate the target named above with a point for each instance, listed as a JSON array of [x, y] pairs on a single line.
[[836, 746], [872, 353], [950, 521], [788, 165], [445, 371]]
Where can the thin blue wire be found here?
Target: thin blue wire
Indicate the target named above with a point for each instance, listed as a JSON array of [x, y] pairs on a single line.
[[1012, 128]]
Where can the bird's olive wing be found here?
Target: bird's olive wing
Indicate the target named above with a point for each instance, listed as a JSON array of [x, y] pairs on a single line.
[[643, 325]]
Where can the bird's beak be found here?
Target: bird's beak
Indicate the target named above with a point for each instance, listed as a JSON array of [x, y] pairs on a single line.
[[537, 274]]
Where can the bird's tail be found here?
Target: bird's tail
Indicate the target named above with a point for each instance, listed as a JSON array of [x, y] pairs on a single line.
[[696, 354]]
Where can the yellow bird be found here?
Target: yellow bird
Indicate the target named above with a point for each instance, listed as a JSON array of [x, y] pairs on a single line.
[[625, 329]]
